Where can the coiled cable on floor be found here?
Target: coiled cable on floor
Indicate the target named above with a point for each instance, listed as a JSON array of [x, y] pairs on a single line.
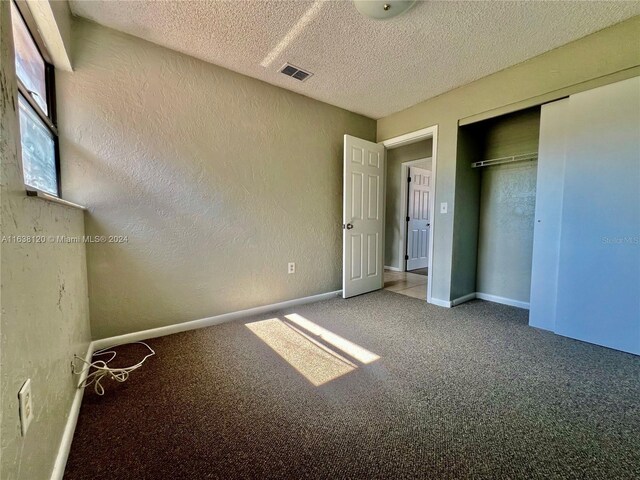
[[101, 368]]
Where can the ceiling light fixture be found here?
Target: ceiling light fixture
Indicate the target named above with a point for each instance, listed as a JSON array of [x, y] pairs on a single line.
[[383, 9]]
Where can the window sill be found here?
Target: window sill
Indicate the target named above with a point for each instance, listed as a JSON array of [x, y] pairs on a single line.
[[31, 192]]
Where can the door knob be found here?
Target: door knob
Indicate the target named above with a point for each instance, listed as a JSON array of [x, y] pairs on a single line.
[[349, 226], [428, 224]]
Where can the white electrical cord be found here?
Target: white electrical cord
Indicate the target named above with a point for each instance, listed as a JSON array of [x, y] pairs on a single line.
[[101, 368]]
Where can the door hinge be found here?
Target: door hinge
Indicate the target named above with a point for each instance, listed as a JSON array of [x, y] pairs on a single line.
[[406, 257], [409, 179], [408, 219]]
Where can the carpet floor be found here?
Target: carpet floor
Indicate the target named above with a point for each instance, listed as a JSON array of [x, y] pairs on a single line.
[[377, 386]]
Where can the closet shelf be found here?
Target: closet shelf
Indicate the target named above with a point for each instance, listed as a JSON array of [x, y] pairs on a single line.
[[523, 157]]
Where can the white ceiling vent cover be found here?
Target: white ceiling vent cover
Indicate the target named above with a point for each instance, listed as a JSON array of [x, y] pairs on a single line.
[[295, 72]]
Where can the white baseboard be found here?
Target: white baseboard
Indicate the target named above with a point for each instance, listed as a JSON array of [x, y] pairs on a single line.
[[463, 299], [72, 419], [503, 300], [70, 426], [209, 321], [440, 303], [393, 269], [481, 296]]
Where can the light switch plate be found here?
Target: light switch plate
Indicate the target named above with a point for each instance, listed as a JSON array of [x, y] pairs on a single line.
[[444, 207], [26, 406]]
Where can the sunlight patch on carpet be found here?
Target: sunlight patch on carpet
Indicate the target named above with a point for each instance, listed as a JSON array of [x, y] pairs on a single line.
[[356, 351], [294, 342]]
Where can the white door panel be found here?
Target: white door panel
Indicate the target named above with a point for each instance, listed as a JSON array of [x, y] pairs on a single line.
[[363, 216], [419, 220], [599, 252]]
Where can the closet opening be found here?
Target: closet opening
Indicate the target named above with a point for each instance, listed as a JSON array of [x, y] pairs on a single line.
[[497, 165]]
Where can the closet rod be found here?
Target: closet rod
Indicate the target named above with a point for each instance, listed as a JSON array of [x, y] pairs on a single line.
[[514, 158]]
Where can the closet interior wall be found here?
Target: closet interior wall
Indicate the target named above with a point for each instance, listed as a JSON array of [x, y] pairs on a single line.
[[504, 204]]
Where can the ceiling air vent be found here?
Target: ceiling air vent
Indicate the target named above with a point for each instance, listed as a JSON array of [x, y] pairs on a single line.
[[295, 72]]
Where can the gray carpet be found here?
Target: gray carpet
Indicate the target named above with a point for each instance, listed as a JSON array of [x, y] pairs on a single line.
[[469, 392]]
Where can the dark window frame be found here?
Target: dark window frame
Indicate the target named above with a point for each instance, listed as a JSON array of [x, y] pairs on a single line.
[[50, 119]]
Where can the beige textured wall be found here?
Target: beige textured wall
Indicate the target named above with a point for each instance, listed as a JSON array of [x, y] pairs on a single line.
[[217, 179], [604, 57], [45, 311], [394, 222]]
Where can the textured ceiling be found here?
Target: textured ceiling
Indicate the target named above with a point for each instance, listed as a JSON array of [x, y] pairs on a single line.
[[363, 65]]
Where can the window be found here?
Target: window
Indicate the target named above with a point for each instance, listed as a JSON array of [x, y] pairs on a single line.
[[38, 132]]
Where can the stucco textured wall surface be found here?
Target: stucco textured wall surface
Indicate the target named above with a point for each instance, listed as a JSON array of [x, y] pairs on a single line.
[[505, 243], [218, 180], [45, 310]]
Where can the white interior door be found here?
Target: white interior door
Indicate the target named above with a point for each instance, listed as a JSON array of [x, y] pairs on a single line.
[[418, 218], [363, 217]]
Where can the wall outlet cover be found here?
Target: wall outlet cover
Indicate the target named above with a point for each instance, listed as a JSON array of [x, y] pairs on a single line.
[[292, 267], [26, 406]]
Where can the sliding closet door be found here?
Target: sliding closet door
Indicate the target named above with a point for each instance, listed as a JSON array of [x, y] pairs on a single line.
[[599, 263], [548, 217]]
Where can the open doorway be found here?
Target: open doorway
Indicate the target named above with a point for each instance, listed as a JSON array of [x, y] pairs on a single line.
[[409, 206]]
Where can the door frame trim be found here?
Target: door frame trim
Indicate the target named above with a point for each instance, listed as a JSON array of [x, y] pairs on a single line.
[[404, 194], [406, 139]]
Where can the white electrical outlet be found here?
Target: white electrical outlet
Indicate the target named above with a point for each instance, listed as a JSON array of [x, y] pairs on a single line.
[[444, 207], [26, 406], [292, 267]]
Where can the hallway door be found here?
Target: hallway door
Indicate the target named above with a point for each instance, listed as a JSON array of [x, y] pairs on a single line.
[[418, 219]]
